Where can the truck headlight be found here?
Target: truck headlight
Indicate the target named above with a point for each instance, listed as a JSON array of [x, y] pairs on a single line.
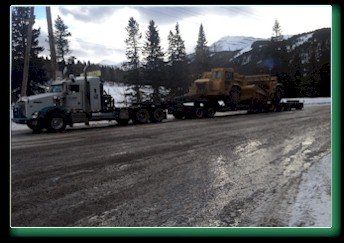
[[35, 114]]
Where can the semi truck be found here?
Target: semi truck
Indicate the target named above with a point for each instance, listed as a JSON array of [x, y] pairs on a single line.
[[80, 100], [83, 99], [222, 89]]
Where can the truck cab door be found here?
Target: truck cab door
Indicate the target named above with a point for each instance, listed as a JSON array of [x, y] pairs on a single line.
[[74, 97]]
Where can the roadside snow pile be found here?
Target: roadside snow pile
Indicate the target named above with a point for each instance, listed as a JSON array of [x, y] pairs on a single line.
[[313, 202]]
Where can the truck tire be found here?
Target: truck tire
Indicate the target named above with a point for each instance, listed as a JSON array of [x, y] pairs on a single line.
[[209, 112], [55, 122], [199, 113], [141, 116], [157, 115]]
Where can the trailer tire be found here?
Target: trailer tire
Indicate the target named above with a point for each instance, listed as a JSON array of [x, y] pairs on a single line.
[[55, 122], [199, 113], [209, 112], [157, 115], [141, 116]]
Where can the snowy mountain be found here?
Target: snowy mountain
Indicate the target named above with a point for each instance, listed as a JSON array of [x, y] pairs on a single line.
[[106, 62], [233, 43]]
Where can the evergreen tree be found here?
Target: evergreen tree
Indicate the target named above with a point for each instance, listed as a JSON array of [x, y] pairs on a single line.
[[132, 52], [153, 57], [62, 43], [177, 65], [277, 32], [20, 22], [201, 53]]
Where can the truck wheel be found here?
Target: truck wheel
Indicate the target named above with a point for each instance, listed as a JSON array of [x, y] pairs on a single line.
[[141, 116], [157, 115], [199, 113], [55, 122], [210, 112]]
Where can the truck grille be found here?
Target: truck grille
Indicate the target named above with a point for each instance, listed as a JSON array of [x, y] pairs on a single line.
[[19, 110]]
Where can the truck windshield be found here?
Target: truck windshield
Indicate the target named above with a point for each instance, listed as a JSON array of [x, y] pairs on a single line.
[[55, 88]]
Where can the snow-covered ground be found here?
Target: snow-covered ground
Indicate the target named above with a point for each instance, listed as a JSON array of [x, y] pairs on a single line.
[[313, 202]]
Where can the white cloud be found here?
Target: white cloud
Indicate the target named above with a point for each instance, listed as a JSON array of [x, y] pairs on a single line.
[[98, 32]]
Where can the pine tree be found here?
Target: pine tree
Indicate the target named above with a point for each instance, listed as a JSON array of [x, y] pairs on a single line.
[[201, 53], [277, 32], [153, 57], [20, 22], [177, 65], [132, 52], [62, 43]]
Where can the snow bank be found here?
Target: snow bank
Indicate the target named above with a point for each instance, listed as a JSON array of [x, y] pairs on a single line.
[[312, 207]]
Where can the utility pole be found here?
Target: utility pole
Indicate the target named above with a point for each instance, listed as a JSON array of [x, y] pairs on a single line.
[[27, 53], [52, 44]]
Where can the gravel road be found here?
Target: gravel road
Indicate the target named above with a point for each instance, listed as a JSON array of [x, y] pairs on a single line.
[[229, 171]]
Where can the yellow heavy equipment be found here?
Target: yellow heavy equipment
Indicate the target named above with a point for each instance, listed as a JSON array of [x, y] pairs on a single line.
[[222, 89]]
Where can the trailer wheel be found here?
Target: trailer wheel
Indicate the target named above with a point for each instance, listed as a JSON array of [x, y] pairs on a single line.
[[210, 112], [199, 113], [141, 116], [157, 115], [55, 122]]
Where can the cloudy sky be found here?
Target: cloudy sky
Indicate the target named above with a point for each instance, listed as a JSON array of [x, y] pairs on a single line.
[[98, 32]]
